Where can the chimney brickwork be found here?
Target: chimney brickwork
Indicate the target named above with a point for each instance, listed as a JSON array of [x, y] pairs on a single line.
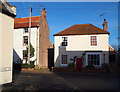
[[44, 41], [105, 25]]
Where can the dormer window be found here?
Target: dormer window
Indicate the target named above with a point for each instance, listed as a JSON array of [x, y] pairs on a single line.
[[64, 43], [25, 30], [93, 40]]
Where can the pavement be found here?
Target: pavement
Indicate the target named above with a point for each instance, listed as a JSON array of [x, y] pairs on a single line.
[[44, 80]]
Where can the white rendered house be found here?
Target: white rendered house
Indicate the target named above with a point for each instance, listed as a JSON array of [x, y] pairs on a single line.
[[7, 15], [21, 37], [39, 39], [85, 41]]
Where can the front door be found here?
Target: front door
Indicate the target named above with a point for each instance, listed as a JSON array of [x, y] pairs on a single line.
[[78, 64]]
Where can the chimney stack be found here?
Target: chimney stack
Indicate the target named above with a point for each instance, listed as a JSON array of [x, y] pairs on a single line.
[[43, 13], [105, 26], [13, 9]]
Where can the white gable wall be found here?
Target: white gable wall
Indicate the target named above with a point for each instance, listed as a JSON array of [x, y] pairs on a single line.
[[6, 48], [18, 43]]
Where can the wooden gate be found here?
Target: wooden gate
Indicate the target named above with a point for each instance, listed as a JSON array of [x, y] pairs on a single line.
[[50, 58]]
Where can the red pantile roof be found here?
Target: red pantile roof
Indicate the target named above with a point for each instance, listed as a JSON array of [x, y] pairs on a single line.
[[111, 49], [24, 22], [82, 29]]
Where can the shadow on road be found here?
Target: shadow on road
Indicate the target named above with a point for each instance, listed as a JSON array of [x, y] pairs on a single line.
[[44, 80]]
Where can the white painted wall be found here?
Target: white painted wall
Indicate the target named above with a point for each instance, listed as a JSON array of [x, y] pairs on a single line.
[[77, 44], [6, 48], [18, 42]]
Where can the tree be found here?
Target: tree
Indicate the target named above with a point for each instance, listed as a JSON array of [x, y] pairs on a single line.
[[32, 50], [119, 49]]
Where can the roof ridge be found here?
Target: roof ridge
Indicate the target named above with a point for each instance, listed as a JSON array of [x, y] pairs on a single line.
[[83, 24], [26, 22], [27, 17], [82, 29]]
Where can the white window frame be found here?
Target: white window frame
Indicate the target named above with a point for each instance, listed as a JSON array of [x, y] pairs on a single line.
[[24, 44], [27, 29], [63, 41], [90, 40], [91, 53], [61, 60]]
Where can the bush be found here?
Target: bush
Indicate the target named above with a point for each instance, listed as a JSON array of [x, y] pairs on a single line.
[[32, 62], [104, 66], [28, 66], [71, 65], [90, 66]]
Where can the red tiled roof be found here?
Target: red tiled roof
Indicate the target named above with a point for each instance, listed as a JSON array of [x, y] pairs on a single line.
[[24, 22], [82, 29], [111, 49]]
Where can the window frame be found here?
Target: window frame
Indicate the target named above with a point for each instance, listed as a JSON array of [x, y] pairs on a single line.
[[94, 53], [95, 40], [64, 60], [25, 30], [24, 40], [64, 40], [24, 57]]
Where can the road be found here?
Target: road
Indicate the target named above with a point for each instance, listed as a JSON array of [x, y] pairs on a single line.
[[74, 81]]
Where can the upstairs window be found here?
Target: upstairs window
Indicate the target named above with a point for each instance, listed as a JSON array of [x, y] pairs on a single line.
[[25, 40], [93, 40], [64, 43], [25, 30]]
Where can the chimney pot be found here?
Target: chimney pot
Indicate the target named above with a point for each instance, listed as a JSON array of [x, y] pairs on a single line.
[[13, 9], [43, 13], [104, 19], [105, 26]]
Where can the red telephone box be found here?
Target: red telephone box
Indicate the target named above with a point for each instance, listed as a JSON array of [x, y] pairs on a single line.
[[78, 64]]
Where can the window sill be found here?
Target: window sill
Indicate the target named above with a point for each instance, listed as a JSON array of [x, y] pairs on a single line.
[[64, 65], [63, 46]]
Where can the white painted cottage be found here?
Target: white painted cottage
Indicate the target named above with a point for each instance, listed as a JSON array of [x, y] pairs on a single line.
[[39, 39], [7, 15], [85, 41], [21, 37]]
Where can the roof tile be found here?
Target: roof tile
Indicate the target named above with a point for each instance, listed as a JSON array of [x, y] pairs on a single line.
[[82, 29], [24, 22]]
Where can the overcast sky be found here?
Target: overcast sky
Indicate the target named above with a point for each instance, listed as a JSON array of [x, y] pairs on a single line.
[[61, 15]]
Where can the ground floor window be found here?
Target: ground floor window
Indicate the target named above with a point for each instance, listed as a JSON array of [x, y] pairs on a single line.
[[24, 54], [93, 59], [64, 59]]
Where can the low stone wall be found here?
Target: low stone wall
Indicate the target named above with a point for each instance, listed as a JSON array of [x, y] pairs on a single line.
[[92, 70], [23, 69], [96, 70]]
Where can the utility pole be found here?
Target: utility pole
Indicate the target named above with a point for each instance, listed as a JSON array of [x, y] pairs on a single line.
[[30, 22]]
